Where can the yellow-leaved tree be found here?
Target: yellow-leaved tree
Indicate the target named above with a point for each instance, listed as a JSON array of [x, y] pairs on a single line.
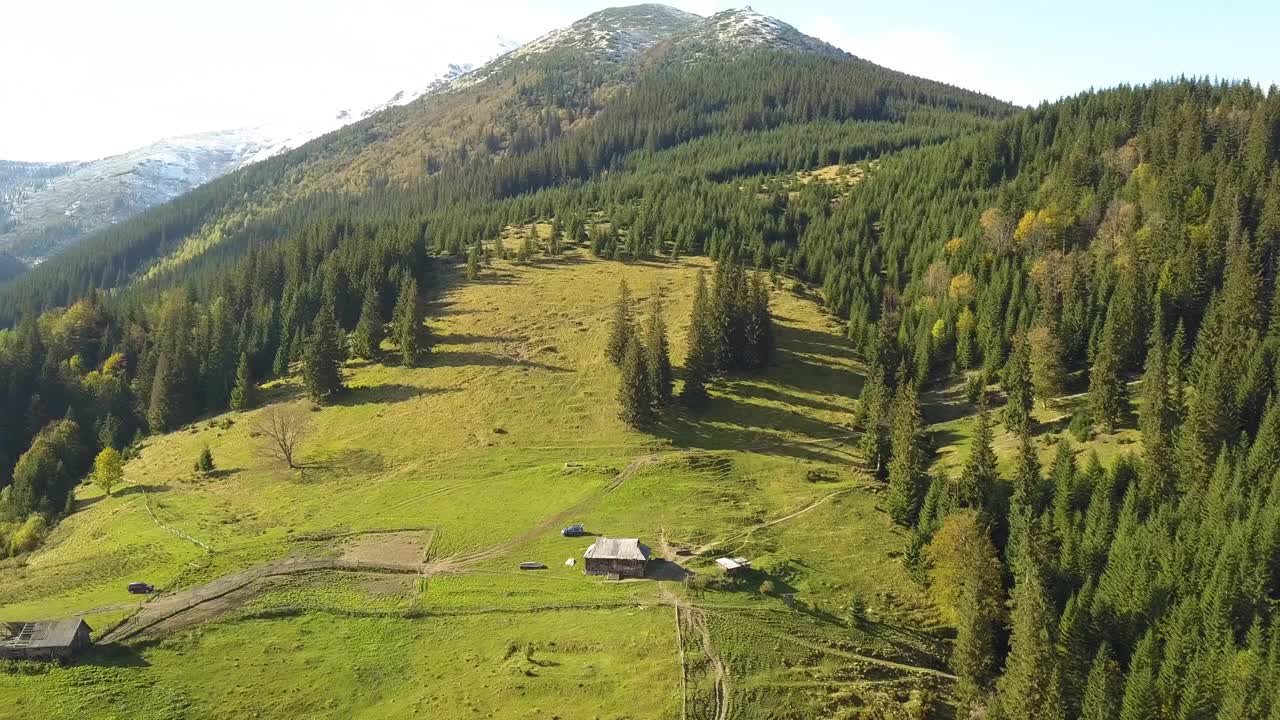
[[108, 469]]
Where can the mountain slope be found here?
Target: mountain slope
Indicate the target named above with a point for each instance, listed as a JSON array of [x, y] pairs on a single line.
[[564, 108]]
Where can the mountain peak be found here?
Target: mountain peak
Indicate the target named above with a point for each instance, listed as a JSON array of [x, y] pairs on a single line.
[[746, 29], [617, 33]]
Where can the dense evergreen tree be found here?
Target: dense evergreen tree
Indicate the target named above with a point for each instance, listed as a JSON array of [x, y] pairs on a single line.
[[873, 417], [698, 357], [1104, 689], [1031, 686], [1016, 382], [979, 477], [623, 328], [245, 393], [366, 340], [658, 360], [634, 392], [1108, 396], [407, 322], [1045, 359], [322, 360], [965, 579], [908, 464]]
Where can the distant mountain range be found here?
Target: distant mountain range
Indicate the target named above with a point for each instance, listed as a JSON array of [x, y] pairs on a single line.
[[48, 207]]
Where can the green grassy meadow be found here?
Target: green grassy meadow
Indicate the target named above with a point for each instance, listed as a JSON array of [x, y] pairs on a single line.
[[464, 458]]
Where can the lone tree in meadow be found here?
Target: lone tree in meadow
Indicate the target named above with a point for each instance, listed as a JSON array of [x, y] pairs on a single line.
[[281, 429], [244, 394], [204, 464], [108, 470], [623, 329], [322, 359]]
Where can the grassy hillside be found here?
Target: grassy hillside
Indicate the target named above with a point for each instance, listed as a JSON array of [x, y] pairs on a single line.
[[383, 581]]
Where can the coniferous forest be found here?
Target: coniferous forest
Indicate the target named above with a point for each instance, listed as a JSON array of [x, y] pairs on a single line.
[[1122, 243]]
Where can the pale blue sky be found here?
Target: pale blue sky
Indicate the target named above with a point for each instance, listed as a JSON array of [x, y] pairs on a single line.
[[85, 78]]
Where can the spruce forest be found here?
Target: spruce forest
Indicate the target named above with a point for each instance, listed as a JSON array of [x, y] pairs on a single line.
[[1091, 287]]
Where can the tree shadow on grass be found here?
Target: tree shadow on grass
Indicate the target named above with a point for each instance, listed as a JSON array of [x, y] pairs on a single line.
[[761, 391], [495, 278], [468, 358], [547, 263], [140, 489], [112, 655], [469, 338], [344, 463], [803, 340], [387, 394], [731, 425]]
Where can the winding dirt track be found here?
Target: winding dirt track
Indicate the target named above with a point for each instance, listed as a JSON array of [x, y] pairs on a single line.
[[707, 546], [170, 605]]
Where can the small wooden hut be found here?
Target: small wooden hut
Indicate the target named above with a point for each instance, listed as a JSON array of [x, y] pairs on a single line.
[[623, 557], [43, 639]]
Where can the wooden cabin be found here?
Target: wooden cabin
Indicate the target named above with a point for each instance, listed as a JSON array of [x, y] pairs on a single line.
[[43, 639], [621, 557]]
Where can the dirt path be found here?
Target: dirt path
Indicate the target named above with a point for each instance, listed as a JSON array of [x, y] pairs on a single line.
[[460, 562], [169, 605], [723, 704], [707, 546], [847, 654]]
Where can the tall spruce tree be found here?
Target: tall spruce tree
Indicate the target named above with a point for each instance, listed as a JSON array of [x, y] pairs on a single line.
[[1029, 497], [366, 340], [407, 321], [1108, 395], [658, 352], [1045, 357], [1016, 381], [245, 393], [634, 395], [1104, 687], [698, 357], [979, 476], [623, 329], [1140, 701], [322, 359], [965, 580], [907, 463], [873, 418], [1031, 686]]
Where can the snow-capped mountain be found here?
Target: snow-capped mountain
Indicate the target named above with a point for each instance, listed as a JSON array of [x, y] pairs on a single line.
[[60, 204], [746, 29], [47, 207]]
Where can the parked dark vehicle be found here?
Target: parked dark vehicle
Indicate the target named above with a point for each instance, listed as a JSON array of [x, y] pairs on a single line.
[[574, 531], [532, 566], [141, 588]]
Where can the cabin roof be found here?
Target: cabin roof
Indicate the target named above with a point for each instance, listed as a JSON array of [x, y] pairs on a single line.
[[40, 633], [733, 563], [617, 549]]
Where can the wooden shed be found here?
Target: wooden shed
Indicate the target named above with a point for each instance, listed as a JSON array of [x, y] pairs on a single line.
[[623, 557], [43, 639]]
